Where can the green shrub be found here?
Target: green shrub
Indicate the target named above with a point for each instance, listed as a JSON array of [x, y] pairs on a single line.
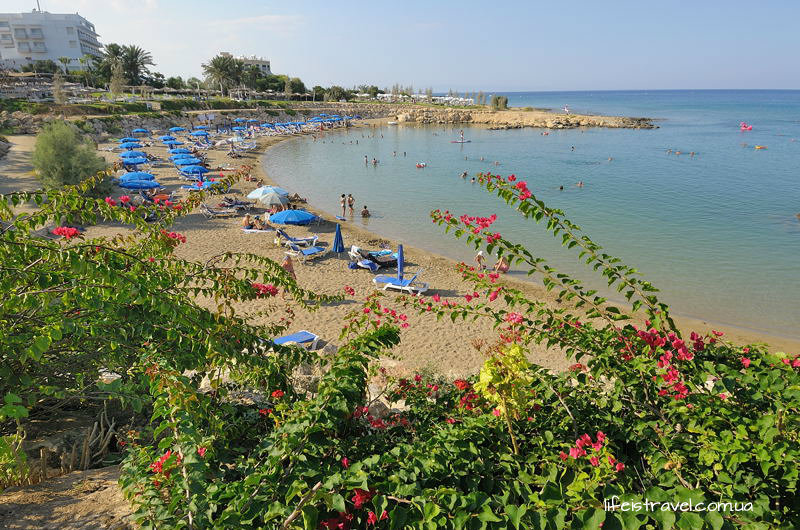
[[62, 157]]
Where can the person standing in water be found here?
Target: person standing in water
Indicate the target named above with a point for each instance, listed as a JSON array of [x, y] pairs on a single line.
[[351, 203], [366, 160], [343, 204]]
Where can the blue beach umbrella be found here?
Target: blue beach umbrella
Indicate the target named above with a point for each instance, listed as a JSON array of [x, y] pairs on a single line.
[[134, 160], [137, 175], [252, 120], [201, 127], [140, 131], [132, 154], [173, 142], [292, 217], [139, 184], [166, 137], [187, 161], [199, 186], [130, 145], [181, 155], [400, 262], [180, 151], [176, 129], [198, 133], [240, 120], [338, 242], [195, 170]]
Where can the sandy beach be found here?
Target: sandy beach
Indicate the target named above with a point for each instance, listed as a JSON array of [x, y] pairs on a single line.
[[427, 343]]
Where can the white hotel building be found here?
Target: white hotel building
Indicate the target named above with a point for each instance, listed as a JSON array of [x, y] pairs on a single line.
[[39, 36]]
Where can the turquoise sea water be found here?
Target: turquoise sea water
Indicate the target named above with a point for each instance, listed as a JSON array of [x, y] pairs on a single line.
[[717, 232]]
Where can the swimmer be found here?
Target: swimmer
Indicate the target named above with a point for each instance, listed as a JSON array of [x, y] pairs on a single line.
[[692, 153], [394, 153], [375, 162], [464, 175], [677, 152], [473, 180], [572, 148], [366, 160], [481, 159], [561, 188], [610, 158], [496, 163], [579, 184], [365, 212], [669, 151]]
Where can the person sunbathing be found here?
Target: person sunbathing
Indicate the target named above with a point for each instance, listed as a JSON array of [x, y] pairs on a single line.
[[501, 265], [252, 223]]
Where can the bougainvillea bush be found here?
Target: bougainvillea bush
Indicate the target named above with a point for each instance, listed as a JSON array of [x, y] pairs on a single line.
[[645, 414]]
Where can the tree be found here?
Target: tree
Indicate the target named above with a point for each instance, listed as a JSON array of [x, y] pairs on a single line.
[[85, 62], [155, 80], [224, 71], [297, 86], [251, 76], [58, 89], [62, 157], [287, 89], [175, 82], [337, 93], [49, 67], [65, 61], [135, 62], [116, 85], [499, 102], [481, 98], [318, 93]]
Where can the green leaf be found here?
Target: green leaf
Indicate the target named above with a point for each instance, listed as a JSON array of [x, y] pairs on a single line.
[[310, 517], [666, 518], [515, 513]]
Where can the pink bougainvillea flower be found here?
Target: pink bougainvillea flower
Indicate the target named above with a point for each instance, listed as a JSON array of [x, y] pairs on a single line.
[[746, 362], [110, 201], [265, 412], [372, 518], [362, 496], [562, 455], [201, 451], [514, 318], [349, 290], [124, 199], [496, 412], [723, 396], [461, 384], [594, 461], [277, 394], [67, 232], [620, 466], [717, 333], [345, 462], [384, 515]]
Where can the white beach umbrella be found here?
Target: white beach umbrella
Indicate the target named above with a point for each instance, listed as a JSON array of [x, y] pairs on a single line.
[[271, 198]]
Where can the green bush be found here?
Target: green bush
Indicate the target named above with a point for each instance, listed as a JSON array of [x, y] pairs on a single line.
[[62, 157]]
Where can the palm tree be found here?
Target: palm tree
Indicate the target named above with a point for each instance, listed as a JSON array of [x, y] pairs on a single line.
[[225, 71], [65, 61], [86, 61], [135, 62]]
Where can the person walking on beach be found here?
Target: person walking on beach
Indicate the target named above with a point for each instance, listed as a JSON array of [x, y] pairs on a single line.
[[288, 266], [351, 203], [480, 260], [343, 204]]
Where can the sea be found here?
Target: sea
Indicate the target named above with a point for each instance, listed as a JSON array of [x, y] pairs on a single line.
[[716, 232]]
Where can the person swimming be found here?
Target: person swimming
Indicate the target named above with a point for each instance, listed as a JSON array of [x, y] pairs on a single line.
[[561, 188], [473, 180], [579, 184]]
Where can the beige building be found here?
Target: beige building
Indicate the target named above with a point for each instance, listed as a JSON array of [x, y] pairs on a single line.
[[252, 60]]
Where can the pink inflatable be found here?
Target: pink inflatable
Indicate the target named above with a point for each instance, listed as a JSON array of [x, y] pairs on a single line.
[[744, 127]]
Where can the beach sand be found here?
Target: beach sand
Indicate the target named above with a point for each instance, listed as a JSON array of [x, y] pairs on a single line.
[[427, 343]]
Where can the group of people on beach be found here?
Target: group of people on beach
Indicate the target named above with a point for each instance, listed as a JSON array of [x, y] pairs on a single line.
[[348, 202]]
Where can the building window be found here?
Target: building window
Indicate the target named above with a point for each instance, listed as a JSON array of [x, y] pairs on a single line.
[[36, 33], [20, 33], [6, 37], [70, 31], [4, 24], [39, 47], [24, 47]]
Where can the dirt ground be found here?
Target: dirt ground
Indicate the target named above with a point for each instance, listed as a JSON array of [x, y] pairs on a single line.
[[77, 501]]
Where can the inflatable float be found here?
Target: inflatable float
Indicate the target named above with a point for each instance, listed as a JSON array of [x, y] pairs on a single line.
[[745, 127], [761, 147], [421, 165]]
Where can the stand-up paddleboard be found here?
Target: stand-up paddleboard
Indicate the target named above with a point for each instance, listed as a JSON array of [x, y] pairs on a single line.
[[460, 140]]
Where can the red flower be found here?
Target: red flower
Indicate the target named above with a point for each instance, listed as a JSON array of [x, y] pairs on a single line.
[[717, 333], [349, 290], [620, 466], [372, 518], [384, 515], [562, 455], [151, 259], [277, 394], [201, 451], [345, 462], [67, 232], [124, 199], [594, 461], [110, 201], [461, 384], [450, 421], [496, 412], [265, 412], [514, 318], [362, 496], [745, 362], [264, 289]]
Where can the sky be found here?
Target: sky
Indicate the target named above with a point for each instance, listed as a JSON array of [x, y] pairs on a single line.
[[467, 45]]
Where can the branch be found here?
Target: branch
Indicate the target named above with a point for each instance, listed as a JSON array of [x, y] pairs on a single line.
[[299, 506]]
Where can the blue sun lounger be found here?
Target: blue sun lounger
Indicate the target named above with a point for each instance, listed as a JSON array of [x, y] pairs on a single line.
[[304, 254], [303, 338], [409, 285]]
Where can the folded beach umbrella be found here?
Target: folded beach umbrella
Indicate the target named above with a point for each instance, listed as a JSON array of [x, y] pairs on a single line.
[[140, 131], [292, 217], [166, 138], [130, 145], [181, 155], [240, 120], [127, 139], [338, 242], [400, 262], [180, 151], [134, 160], [137, 175], [198, 133], [195, 170], [252, 120], [176, 129], [186, 161], [132, 154], [272, 198], [139, 184]]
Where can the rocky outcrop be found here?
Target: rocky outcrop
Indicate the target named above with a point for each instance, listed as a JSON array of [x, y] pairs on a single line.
[[22, 122], [514, 119]]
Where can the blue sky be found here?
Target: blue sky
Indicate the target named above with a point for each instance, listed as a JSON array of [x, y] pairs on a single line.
[[469, 45]]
